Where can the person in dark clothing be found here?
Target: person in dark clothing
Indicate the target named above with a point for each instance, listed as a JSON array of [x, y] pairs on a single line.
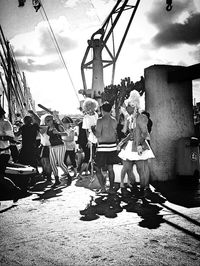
[[28, 152], [83, 144], [150, 123], [7, 187]]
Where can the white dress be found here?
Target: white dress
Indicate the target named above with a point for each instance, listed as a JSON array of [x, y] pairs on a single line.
[[128, 153]]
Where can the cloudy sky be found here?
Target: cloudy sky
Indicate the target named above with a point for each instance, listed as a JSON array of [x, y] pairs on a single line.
[[155, 37]]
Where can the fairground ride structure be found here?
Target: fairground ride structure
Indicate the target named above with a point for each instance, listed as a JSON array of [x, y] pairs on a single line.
[[103, 47], [15, 95]]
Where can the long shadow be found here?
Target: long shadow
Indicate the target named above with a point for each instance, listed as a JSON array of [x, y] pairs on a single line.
[[148, 209], [50, 192], [196, 236], [183, 192], [8, 208], [47, 194], [182, 215]]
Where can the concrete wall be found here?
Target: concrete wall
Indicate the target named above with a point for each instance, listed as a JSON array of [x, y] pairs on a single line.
[[170, 107]]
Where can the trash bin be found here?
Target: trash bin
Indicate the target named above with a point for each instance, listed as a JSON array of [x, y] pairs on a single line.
[[187, 157]]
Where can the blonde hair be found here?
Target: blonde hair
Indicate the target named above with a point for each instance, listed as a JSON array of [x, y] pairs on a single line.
[[90, 106], [133, 99]]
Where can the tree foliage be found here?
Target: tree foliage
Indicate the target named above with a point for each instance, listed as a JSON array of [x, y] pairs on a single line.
[[117, 94]]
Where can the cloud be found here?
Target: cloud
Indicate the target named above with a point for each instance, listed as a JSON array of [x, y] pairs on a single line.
[[180, 33], [159, 17], [48, 42], [31, 65], [41, 41], [172, 31], [196, 54]]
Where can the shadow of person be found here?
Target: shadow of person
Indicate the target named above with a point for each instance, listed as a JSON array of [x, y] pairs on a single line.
[[148, 212], [40, 186], [107, 205], [155, 197], [47, 194]]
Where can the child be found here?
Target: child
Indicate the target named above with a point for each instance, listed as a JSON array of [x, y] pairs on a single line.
[[69, 142]]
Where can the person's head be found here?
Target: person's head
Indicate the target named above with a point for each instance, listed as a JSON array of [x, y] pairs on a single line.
[[133, 102], [90, 106], [106, 107], [67, 121], [48, 120], [28, 120]]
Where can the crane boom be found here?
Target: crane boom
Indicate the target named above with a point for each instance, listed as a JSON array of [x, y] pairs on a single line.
[[98, 43]]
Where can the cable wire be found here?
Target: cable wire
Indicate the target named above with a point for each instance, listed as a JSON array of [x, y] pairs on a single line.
[[58, 49]]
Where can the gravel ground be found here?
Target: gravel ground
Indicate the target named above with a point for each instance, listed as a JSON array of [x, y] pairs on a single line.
[[47, 229]]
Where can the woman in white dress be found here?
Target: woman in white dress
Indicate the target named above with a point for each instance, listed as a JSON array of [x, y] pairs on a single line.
[[135, 148]]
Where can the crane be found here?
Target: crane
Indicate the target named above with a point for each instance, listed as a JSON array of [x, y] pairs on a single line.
[[15, 92], [98, 43]]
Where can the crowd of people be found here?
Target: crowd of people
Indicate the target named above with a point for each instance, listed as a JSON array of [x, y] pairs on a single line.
[[102, 141]]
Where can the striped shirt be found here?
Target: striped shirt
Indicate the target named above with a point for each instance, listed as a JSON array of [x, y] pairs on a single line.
[[106, 147]]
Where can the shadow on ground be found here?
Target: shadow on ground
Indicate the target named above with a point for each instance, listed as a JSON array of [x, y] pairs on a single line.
[[182, 191], [111, 204]]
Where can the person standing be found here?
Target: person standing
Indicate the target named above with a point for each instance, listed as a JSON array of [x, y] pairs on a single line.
[[137, 150], [83, 146], [29, 153], [106, 153], [6, 135], [69, 142], [44, 149], [57, 149]]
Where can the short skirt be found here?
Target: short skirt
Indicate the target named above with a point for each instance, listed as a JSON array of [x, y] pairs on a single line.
[[128, 154]]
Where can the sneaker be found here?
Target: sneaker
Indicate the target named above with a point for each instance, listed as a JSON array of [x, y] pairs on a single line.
[[101, 191], [69, 180], [57, 183]]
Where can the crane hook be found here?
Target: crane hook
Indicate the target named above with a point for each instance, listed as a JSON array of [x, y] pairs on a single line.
[[169, 5]]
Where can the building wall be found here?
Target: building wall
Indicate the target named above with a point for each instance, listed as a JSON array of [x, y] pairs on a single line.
[[171, 109]]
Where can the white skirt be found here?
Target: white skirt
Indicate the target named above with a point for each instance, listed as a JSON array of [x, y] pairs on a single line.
[[128, 154]]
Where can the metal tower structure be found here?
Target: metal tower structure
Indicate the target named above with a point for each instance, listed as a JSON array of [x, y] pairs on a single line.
[[99, 43]]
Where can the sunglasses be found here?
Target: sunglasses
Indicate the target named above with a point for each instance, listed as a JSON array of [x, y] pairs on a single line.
[[48, 120]]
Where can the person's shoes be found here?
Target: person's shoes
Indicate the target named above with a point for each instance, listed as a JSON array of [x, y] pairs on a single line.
[[101, 191], [69, 179], [57, 183]]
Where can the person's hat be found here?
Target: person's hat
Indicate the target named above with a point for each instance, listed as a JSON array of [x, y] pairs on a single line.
[[67, 120]]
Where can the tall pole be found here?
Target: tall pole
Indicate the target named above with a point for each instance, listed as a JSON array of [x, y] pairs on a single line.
[[9, 81]]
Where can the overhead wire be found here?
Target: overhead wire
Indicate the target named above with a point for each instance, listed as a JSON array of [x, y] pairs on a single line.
[[58, 48]]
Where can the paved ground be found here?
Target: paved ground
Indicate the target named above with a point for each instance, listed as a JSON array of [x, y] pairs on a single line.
[[47, 228]]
